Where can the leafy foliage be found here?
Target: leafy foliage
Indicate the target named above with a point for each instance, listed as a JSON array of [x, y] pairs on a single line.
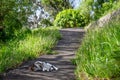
[[86, 7], [12, 26], [46, 22], [55, 6], [97, 8], [70, 18], [13, 14]]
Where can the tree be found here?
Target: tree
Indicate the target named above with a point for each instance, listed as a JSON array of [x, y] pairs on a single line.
[[13, 14], [47, 10], [86, 7], [55, 6], [19, 9], [96, 6]]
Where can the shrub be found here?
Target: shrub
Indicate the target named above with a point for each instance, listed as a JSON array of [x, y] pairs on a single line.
[[106, 6], [70, 18], [46, 22], [11, 27]]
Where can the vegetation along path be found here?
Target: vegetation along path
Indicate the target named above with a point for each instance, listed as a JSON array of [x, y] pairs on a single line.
[[66, 48]]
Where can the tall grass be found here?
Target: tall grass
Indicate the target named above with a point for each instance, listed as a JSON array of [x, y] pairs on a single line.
[[98, 57], [27, 45]]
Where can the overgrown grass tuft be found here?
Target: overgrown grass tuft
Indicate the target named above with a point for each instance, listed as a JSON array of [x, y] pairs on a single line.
[[98, 57], [27, 45]]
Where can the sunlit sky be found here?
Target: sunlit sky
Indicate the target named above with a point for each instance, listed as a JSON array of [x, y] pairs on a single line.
[[76, 3]]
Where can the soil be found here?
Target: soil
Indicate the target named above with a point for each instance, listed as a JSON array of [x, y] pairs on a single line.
[[66, 48]]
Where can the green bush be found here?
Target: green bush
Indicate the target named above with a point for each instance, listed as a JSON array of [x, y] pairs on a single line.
[[70, 18], [11, 27], [106, 6], [46, 22], [98, 8]]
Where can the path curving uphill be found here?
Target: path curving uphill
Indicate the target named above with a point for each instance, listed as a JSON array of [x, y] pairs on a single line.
[[66, 48]]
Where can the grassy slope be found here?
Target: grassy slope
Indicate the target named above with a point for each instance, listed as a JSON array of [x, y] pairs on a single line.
[[99, 54], [28, 45]]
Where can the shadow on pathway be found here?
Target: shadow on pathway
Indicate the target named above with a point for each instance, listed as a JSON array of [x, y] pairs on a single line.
[[66, 47]]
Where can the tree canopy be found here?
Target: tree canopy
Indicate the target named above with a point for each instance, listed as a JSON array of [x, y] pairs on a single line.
[[19, 9], [13, 14], [98, 7], [55, 6]]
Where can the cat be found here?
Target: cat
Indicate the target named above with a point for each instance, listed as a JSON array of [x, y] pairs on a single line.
[[43, 66]]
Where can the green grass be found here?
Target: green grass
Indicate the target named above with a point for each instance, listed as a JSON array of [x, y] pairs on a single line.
[[27, 45], [99, 55]]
